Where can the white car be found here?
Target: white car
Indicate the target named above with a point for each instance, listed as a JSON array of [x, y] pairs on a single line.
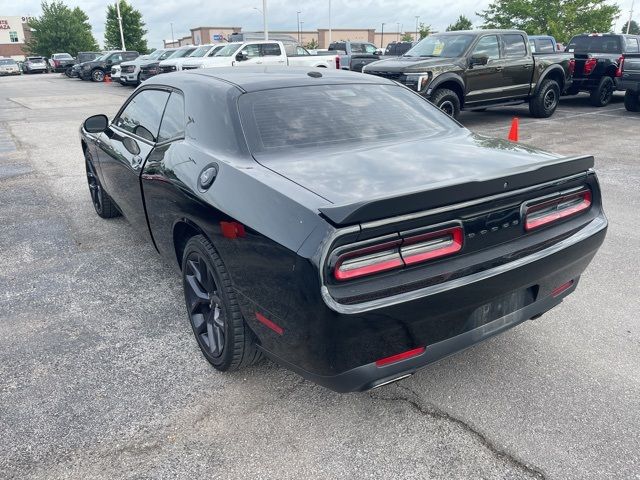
[[264, 52], [199, 55], [115, 73], [174, 62]]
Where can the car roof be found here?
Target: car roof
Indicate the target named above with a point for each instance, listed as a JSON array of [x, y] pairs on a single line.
[[253, 79]]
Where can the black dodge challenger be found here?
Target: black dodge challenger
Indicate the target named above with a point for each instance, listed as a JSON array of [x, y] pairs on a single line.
[[338, 223]]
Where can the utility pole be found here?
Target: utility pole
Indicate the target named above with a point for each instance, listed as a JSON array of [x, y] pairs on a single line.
[[417, 18], [120, 23], [630, 17], [329, 22], [298, 25], [398, 32], [264, 19], [382, 37], [173, 40]]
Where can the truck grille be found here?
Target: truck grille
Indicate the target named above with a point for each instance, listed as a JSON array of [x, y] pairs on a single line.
[[397, 76], [128, 69], [167, 68], [189, 67]]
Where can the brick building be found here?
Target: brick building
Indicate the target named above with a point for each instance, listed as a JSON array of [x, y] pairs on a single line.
[[14, 33]]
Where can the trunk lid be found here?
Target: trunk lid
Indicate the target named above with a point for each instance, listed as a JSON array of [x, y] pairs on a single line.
[[384, 180]]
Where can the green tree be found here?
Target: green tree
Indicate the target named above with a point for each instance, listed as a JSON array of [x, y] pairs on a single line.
[[424, 30], [406, 37], [560, 18], [312, 45], [463, 23], [60, 30], [132, 28], [634, 28]]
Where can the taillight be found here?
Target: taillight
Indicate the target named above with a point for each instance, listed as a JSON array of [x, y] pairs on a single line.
[[400, 356], [589, 66], [620, 65], [572, 66], [399, 253], [367, 261], [337, 62], [541, 214], [56, 63]]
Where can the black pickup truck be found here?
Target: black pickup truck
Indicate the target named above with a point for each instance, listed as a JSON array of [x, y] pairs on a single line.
[[476, 69], [599, 59], [630, 81]]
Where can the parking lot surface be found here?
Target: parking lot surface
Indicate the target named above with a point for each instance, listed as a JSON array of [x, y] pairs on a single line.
[[100, 376]]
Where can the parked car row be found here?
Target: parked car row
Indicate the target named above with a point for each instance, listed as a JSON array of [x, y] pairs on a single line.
[[474, 70]]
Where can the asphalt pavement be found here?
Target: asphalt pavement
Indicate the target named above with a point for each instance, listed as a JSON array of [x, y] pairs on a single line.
[[100, 377]]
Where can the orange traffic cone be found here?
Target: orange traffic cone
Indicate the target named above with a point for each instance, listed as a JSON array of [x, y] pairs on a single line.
[[107, 79], [513, 133]]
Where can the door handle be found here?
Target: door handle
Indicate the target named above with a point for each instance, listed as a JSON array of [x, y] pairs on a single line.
[[498, 69], [526, 67], [258, 62], [136, 161]]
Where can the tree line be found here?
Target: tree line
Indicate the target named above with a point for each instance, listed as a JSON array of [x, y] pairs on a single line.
[[62, 29]]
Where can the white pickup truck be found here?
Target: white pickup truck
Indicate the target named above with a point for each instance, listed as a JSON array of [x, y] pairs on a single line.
[[264, 52]]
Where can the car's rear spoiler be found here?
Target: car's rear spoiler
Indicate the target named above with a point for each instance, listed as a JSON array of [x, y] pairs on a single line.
[[456, 191]]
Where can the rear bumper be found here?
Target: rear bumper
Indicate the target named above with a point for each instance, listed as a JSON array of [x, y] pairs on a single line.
[[339, 350], [588, 84], [630, 85]]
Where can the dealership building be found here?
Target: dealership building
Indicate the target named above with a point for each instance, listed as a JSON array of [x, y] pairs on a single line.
[[14, 33], [202, 35]]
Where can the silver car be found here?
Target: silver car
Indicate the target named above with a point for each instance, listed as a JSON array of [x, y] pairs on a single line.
[[34, 65], [8, 66]]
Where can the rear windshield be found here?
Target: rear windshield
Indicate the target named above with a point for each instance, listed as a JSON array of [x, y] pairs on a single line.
[[594, 44], [62, 56], [7, 61], [327, 115], [338, 46]]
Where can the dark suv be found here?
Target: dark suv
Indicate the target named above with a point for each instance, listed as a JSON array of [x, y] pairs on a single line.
[[97, 69], [599, 60]]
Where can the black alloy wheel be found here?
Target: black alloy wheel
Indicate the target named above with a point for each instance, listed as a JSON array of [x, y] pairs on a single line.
[[220, 330], [545, 102], [601, 96], [102, 203], [447, 101]]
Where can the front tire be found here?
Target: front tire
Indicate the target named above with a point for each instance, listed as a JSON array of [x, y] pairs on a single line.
[[222, 334], [601, 96], [97, 75], [545, 102], [447, 101], [632, 101], [104, 206], [67, 71]]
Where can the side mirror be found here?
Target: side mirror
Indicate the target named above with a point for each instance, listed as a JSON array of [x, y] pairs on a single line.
[[242, 56], [479, 60], [96, 124]]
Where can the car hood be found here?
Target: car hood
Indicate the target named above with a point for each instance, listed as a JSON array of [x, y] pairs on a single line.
[[216, 61], [400, 64], [350, 175]]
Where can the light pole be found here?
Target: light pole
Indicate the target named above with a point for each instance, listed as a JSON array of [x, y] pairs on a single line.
[[417, 17], [398, 32], [264, 19], [301, 23], [298, 24], [172, 39], [120, 24], [329, 22], [382, 37], [630, 17]]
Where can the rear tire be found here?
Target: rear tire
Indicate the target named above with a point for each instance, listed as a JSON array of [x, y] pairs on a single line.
[[67, 72], [447, 101], [632, 101], [222, 334], [97, 75], [601, 96], [545, 102]]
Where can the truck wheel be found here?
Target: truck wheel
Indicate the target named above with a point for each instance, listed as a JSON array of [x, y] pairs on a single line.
[[545, 102], [67, 71], [97, 75], [447, 101], [222, 334], [632, 101], [601, 96]]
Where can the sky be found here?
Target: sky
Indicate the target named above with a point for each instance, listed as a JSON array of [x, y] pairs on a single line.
[[186, 14]]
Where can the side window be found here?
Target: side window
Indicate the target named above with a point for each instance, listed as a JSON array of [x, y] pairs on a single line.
[[514, 46], [368, 48], [545, 45], [488, 46], [357, 48], [252, 50], [631, 45], [270, 50], [172, 125], [142, 114], [130, 56], [301, 51], [116, 57]]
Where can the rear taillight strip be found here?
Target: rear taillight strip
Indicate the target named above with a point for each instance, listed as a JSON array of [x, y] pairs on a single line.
[[399, 253], [539, 215]]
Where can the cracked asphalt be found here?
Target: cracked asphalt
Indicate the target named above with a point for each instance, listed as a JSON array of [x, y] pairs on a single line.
[[100, 377]]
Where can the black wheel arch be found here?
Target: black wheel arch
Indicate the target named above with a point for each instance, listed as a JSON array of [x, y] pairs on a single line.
[[183, 230], [554, 72], [452, 81]]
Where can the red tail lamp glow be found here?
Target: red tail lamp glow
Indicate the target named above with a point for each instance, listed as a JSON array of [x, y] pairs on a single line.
[[542, 214], [269, 324], [400, 356], [232, 230], [562, 288]]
